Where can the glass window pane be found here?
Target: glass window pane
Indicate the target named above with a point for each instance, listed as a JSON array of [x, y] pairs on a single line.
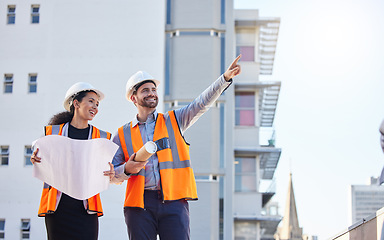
[[245, 183], [2, 225], [237, 183], [35, 19], [32, 78], [245, 108], [27, 156], [8, 88], [35, 10], [32, 88], [28, 150], [245, 99], [245, 174], [28, 161], [248, 183], [248, 165], [245, 164], [4, 160], [245, 117], [247, 53], [11, 19], [25, 225]]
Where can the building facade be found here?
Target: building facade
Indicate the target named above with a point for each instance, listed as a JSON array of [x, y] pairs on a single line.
[[365, 200], [47, 46]]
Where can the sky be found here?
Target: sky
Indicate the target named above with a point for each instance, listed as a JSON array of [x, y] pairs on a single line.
[[330, 61]]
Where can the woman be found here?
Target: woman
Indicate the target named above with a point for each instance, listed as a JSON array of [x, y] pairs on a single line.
[[66, 217]]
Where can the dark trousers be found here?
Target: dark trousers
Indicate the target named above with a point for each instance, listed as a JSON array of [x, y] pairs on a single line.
[[169, 220], [71, 221]]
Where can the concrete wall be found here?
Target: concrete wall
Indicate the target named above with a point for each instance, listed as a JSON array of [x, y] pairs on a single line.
[[195, 14], [94, 41]]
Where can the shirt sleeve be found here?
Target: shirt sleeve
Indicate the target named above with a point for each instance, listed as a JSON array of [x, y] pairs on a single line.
[[189, 114], [119, 163]]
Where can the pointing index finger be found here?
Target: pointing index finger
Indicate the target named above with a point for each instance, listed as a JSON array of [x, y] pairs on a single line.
[[234, 63]]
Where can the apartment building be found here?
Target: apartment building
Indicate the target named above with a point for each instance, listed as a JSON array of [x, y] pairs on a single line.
[[46, 46]]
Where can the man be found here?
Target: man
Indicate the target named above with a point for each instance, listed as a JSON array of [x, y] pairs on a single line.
[[158, 189]]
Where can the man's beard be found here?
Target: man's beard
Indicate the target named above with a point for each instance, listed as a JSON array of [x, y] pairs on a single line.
[[143, 103]]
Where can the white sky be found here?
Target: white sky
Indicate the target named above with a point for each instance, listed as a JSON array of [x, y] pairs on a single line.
[[330, 60]]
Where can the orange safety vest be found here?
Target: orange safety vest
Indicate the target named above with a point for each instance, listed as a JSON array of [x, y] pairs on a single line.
[[48, 200], [177, 178]]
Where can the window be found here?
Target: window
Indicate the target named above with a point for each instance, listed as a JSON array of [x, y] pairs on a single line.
[[245, 108], [25, 228], [27, 155], [247, 53], [32, 83], [246, 230], [8, 83], [4, 155], [245, 174], [11, 14], [35, 15], [2, 228]]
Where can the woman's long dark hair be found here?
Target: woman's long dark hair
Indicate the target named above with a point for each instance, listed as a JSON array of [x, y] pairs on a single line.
[[64, 117]]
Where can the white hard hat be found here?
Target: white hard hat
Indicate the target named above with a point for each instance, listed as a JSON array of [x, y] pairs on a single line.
[[76, 88], [135, 79]]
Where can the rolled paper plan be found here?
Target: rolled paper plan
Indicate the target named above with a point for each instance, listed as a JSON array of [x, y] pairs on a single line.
[[146, 151]]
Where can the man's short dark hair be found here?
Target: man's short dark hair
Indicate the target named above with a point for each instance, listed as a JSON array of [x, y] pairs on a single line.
[[137, 86]]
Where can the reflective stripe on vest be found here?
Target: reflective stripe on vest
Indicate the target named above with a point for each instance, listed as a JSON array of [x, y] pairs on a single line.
[[177, 178], [48, 200]]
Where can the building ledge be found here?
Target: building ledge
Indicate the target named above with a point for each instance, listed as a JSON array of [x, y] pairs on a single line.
[[257, 218]]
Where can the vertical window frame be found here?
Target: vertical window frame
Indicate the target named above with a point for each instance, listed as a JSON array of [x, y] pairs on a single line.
[[245, 174], [2, 228], [11, 15], [35, 16], [32, 83], [8, 83], [4, 154], [25, 228], [27, 155], [239, 109]]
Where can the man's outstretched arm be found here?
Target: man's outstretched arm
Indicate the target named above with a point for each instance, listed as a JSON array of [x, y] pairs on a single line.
[[189, 114]]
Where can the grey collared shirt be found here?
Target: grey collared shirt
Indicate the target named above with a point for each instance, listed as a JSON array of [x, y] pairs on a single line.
[[186, 117]]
